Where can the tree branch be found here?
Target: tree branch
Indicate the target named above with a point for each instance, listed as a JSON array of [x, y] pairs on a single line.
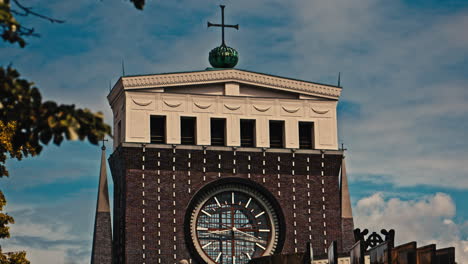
[[28, 11]]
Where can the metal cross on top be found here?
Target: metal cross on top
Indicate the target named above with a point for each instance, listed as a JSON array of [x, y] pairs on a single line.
[[222, 25], [103, 141]]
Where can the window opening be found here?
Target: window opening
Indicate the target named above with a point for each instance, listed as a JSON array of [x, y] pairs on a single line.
[[218, 132], [187, 130], [276, 134], [118, 132], [306, 135], [158, 129], [247, 127]]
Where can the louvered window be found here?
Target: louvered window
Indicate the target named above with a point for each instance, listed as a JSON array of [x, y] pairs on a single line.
[[218, 132], [187, 130], [276, 134], [306, 135], [247, 133], [158, 129]]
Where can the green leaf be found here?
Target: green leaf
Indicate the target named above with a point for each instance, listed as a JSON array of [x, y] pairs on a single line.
[[139, 4]]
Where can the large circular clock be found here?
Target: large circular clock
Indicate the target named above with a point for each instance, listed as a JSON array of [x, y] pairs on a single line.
[[233, 223]]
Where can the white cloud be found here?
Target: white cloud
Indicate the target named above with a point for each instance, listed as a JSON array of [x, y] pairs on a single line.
[[53, 232], [410, 88], [427, 220], [54, 255]]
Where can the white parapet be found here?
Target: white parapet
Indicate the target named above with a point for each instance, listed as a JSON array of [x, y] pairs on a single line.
[[229, 94]]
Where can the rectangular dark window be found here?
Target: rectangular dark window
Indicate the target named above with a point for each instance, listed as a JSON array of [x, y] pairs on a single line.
[[158, 129], [276, 134], [247, 131], [188, 126], [118, 132], [218, 132], [306, 135]]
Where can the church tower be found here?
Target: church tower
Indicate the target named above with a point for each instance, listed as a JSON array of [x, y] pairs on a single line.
[[224, 165], [102, 237]]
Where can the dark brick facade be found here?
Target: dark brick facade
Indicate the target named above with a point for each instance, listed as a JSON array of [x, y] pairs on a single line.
[[347, 227], [153, 186], [102, 249]]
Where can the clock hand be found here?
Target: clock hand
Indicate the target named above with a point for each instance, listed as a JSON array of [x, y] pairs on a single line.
[[250, 239], [219, 231], [249, 235], [218, 234], [231, 235], [244, 233], [234, 233]]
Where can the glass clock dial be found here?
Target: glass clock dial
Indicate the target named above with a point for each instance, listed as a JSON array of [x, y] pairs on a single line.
[[233, 224]]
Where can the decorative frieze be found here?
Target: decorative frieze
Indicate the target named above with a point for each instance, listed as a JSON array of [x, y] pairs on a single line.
[[231, 75], [141, 106]]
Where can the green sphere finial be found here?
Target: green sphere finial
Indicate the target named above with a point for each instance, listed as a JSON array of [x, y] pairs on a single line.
[[223, 57]]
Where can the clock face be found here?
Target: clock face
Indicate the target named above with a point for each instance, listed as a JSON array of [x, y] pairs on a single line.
[[233, 224]]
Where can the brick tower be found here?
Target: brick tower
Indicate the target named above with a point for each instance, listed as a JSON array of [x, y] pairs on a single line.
[[224, 165], [179, 135]]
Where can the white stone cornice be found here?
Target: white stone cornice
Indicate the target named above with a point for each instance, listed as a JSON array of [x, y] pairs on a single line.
[[231, 75], [115, 92]]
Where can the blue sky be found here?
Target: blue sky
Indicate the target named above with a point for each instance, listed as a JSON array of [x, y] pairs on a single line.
[[403, 114]]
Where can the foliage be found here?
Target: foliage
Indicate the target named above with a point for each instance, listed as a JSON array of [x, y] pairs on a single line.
[[13, 258], [12, 31], [37, 122], [27, 123], [5, 219], [7, 131], [139, 4]]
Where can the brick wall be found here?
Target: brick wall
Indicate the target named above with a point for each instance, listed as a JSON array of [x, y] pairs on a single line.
[[154, 186], [102, 248], [347, 227]]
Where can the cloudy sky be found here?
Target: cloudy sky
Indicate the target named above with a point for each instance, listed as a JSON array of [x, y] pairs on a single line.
[[403, 114]]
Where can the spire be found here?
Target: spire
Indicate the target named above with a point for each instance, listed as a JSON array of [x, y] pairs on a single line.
[[102, 238], [347, 222], [346, 211], [339, 79]]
